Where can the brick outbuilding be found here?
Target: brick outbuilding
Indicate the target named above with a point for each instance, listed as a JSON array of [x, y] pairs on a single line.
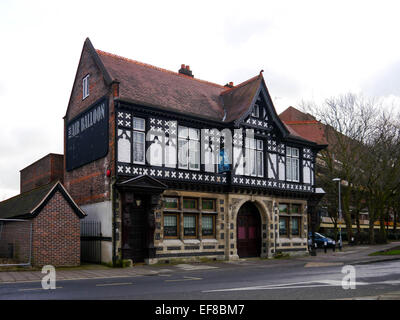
[[51, 233]]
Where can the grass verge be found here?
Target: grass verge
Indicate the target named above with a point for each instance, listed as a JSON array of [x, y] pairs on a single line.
[[388, 252]]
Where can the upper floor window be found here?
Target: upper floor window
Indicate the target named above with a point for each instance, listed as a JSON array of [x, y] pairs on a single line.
[[254, 157], [188, 148], [139, 144], [292, 164], [85, 87], [256, 111]]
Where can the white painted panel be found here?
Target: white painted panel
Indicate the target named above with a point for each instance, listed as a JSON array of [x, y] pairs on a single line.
[[238, 160], [101, 211], [306, 172], [124, 146], [281, 170], [272, 165]]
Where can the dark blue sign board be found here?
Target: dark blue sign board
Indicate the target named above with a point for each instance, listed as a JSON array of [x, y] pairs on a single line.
[[224, 163], [87, 136]]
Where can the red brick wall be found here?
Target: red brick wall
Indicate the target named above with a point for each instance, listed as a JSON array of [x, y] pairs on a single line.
[[89, 183], [15, 241], [56, 234], [48, 169]]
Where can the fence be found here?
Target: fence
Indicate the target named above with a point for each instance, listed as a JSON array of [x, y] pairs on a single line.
[[91, 241], [15, 242]]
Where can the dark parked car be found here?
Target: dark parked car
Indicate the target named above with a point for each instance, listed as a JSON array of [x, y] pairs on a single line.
[[320, 240]]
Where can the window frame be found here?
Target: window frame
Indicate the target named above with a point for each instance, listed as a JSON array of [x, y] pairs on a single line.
[[292, 164], [190, 209], [286, 218], [255, 114], [213, 235], [254, 148], [85, 87], [296, 235], [141, 132], [177, 215], [178, 203], [189, 140], [195, 236], [214, 208], [287, 208]]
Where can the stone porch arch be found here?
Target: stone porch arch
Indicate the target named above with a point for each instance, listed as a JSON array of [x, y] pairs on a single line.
[[264, 207]]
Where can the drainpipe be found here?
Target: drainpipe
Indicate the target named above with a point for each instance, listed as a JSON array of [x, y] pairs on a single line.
[[113, 187], [114, 223], [274, 222]]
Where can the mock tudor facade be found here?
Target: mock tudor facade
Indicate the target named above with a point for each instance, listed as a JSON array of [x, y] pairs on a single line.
[[178, 167]]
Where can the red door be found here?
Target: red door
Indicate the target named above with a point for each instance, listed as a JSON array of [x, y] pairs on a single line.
[[248, 231]]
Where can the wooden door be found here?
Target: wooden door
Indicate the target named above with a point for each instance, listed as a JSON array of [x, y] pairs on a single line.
[[248, 232], [134, 228]]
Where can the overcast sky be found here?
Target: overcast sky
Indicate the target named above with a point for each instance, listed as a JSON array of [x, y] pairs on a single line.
[[308, 50]]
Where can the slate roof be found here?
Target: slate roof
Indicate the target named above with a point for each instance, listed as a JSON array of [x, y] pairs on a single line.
[[148, 85], [144, 83], [238, 99], [29, 204]]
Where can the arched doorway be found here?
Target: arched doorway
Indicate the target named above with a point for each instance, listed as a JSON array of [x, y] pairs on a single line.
[[248, 231]]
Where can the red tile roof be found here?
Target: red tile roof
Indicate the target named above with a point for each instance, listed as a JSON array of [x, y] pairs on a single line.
[[304, 125]]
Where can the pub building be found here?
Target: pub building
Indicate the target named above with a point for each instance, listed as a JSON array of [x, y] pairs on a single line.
[[175, 167]]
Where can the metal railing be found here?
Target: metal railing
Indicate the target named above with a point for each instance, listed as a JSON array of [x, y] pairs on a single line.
[[91, 237]]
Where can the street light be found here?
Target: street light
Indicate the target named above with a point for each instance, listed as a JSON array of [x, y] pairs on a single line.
[[340, 215]]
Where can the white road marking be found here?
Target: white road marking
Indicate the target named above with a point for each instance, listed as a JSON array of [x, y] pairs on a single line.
[[34, 289], [190, 267], [295, 285], [184, 279], [322, 264], [114, 284]]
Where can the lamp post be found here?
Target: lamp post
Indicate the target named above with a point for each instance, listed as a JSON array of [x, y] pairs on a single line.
[[340, 215]]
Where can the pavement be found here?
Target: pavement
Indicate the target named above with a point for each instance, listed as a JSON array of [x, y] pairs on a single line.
[[349, 255], [385, 296]]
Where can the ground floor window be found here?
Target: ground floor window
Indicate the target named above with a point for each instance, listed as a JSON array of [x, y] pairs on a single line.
[[208, 225], [284, 226], [171, 203], [189, 217], [190, 226], [295, 226], [171, 225], [208, 204], [189, 203], [290, 219]]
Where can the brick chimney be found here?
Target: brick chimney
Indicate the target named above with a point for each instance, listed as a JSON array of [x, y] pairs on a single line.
[[186, 71]]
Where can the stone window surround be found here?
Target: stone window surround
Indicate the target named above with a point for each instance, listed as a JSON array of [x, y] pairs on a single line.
[[198, 212], [302, 216]]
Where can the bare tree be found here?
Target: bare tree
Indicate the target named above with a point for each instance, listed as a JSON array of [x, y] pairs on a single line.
[[349, 121], [381, 172]]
